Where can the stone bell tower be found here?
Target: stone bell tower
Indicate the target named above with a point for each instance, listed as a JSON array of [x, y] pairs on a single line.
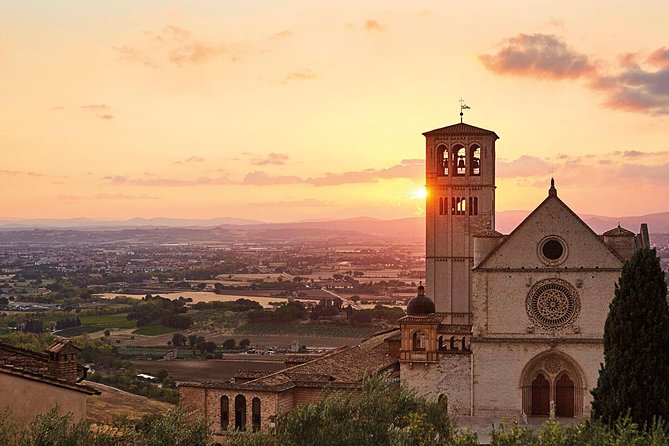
[[460, 179]]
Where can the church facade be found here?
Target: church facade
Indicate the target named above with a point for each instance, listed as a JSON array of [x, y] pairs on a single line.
[[515, 324]]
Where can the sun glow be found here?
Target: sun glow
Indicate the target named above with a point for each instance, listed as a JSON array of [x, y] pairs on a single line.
[[420, 193]]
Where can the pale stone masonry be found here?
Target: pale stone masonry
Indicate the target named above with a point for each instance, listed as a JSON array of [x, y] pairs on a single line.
[[526, 310]]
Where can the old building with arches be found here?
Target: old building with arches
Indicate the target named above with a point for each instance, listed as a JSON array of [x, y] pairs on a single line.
[[508, 325]]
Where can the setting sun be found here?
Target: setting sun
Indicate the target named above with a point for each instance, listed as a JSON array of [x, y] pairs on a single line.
[[420, 193]]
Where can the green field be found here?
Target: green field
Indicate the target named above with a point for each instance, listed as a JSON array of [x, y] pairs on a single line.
[[154, 330], [77, 331], [157, 353], [109, 321]]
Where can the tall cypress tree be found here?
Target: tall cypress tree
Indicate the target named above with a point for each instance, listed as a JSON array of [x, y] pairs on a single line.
[[635, 375]]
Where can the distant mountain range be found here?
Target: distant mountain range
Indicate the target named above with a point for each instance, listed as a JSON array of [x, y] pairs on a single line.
[[226, 228]]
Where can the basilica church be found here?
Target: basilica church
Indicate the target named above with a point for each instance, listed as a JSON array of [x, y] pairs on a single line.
[[507, 325]]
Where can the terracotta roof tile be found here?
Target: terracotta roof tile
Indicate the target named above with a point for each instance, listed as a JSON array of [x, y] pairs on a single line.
[[460, 129]]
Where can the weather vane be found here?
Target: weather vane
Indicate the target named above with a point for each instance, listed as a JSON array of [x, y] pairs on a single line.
[[463, 106]]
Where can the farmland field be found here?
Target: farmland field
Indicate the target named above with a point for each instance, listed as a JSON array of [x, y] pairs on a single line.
[[108, 321], [154, 330]]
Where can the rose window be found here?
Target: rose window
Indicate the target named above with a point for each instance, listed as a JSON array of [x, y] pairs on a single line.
[[553, 303]]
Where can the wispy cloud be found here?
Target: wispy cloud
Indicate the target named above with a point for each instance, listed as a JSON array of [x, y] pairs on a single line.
[[271, 158], [372, 25], [306, 203], [99, 110], [120, 196], [15, 173], [178, 46], [634, 87], [302, 75], [191, 159], [259, 178], [166, 182], [409, 168]]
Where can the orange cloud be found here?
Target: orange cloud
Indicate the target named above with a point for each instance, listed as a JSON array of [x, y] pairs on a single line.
[[540, 56]]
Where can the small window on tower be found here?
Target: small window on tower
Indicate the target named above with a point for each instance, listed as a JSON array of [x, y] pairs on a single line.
[[442, 153], [475, 161], [459, 160]]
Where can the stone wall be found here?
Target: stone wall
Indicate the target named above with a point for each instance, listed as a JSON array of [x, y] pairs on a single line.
[[450, 377], [499, 366]]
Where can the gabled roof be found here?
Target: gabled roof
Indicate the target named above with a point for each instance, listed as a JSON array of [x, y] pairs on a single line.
[[461, 129], [618, 232], [345, 367], [61, 346], [551, 196]]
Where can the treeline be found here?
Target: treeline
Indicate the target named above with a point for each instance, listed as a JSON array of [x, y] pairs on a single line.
[[236, 306], [160, 310], [291, 311]]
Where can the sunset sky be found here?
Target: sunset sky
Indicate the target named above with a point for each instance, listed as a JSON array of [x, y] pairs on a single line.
[[288, 110]]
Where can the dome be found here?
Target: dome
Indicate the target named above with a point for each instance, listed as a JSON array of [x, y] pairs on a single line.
[[421, 305]]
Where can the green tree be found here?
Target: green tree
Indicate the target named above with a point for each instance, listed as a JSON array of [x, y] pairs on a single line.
[[385, 414], [245, 343], [229, 344], [179, 340], [635, 375]]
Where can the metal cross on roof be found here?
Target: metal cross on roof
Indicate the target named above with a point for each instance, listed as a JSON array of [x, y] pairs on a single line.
[[463, 106]]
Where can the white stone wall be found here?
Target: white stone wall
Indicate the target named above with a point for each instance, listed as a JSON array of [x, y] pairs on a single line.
[[450, 377], [498, 368]]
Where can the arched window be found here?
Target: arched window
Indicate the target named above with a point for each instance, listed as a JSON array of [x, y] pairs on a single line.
[[240, 413], [255, 413], [419, 341], [442, 159], [460, 206], [473, 206], [459, 160], [225, 413], [475, 160]]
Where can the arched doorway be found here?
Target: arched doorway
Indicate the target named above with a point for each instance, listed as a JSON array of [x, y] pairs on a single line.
[[553, 376], [564, 396], [540, 396]]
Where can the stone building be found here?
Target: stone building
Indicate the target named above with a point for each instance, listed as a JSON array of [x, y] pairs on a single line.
[[31, 383], [519, 318], [253, 399], [515, 323]]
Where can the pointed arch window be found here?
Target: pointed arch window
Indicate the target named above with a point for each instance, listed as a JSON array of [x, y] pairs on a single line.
[[443, 160], [475, 160]]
